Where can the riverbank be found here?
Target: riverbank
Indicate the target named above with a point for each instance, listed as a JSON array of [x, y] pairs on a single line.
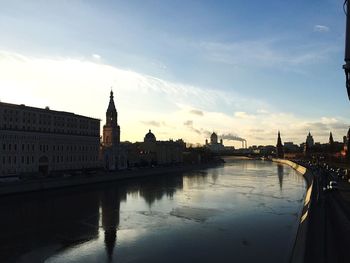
[[75, 181], [299, 247]]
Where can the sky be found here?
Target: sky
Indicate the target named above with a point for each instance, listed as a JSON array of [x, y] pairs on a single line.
[[182, 68]]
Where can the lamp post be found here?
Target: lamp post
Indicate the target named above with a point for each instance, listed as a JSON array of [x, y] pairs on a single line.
[[346, 66]]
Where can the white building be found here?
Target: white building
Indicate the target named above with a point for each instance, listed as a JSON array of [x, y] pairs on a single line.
[[35, 140]]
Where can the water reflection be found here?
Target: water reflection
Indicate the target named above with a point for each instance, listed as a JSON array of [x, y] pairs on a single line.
[[280, 171], [34, 224], [110, 209], [151, 218]]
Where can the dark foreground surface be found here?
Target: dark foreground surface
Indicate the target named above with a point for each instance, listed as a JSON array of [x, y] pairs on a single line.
[[245, 211]]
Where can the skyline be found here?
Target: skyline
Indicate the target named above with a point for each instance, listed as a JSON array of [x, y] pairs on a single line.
[[182, 82]]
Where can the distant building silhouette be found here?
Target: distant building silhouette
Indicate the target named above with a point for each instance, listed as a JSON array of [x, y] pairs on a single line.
[[152, 152], [331, 140], [310, 141], [214, 145], [114, 157], [279, 147]]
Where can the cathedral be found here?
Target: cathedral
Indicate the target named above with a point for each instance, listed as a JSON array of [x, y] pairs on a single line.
[[214, 145], [114, 156]]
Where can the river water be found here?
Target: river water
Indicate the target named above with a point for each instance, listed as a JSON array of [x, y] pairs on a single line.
[[243, 211]]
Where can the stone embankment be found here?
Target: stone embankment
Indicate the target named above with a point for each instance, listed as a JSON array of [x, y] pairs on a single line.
[[299, 246], [51, 183]]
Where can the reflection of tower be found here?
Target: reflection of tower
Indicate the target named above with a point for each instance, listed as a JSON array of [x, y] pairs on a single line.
[[110, 204], [279, 147], [280, 173]]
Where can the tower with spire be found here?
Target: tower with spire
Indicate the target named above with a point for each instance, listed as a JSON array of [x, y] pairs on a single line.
[[331, 140], [111, 137], [111, 130], [279, 147], [310, 140]]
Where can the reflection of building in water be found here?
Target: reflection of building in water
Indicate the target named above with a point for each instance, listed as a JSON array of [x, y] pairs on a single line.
[[110, 207], [34, 140], [62, 218], [280, 173], [155, 188], [153, 152], [114, 157]]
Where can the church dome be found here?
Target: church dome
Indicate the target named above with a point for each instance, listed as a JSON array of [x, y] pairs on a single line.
[[214, 138], [149, 137]]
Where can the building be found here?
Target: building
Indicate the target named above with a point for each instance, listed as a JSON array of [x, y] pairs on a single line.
[[162, 152], [113, 154], [151, 152], [279, 147], [35, 140], [214, 145], [290, 147], [310, 141]]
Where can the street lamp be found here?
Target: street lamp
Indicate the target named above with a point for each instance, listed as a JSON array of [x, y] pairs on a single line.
[[346, 66]]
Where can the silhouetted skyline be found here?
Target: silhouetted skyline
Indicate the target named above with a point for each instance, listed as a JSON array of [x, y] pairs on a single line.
[[183, 69]]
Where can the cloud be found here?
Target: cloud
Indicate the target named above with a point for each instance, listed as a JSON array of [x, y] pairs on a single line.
[[96, 56], [188, 123], [151, 123], [146, 100], [265, 53], [243, 115], [197, 112], [257, 130], [321, 28]]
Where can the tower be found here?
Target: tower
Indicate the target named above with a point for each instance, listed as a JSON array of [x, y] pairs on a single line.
[[111, 138], [331, 141], [279, 147], [310, 140], [111, 130]]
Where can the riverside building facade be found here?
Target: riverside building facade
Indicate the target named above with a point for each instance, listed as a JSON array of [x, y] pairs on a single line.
[[35, 140]]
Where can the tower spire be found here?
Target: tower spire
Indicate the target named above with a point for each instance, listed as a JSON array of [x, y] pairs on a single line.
[[279, 146]]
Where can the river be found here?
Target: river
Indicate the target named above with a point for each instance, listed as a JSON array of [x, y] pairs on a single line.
[[243, 211]]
